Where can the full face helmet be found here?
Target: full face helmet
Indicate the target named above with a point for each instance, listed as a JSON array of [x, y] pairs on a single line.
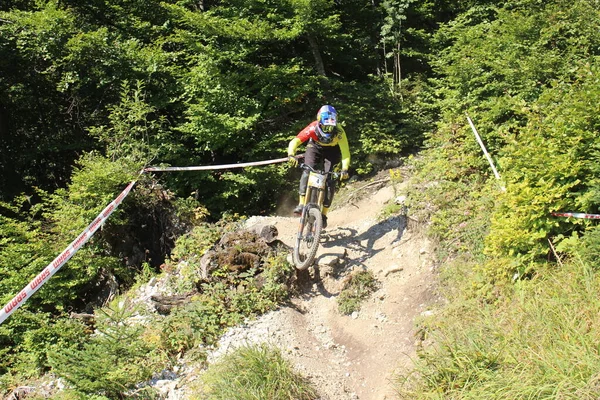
[[326, 124]]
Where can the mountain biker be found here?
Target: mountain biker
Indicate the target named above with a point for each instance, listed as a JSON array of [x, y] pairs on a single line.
[[327, 144]]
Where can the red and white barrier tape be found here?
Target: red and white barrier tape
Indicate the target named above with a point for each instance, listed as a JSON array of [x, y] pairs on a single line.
[[59, 261], [577, 215], [66, 255]]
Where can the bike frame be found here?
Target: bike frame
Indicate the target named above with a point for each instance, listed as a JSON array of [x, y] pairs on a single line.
[[317, 183], [311, 217]]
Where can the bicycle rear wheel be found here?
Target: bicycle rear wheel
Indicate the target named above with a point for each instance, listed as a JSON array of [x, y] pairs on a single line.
[[307, 241]]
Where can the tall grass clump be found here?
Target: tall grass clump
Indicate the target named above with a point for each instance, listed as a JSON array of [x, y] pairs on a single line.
[[255, 372], [540, 340], [357, 288]]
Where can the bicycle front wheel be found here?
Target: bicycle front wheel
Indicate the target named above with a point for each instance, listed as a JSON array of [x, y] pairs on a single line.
[[307, 241]]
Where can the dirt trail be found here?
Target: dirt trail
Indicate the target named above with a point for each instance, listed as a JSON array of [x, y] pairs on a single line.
[[352, 357]]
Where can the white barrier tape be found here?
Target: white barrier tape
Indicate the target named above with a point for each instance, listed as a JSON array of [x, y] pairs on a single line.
[[65, 256], [212, 167], [577, 215]]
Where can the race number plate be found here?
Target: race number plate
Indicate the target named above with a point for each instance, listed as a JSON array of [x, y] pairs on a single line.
[[316, 180]]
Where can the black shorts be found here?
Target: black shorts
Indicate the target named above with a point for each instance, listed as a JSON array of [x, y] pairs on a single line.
[[318, 156]]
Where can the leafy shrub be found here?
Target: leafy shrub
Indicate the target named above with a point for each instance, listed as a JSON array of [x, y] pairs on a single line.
[[193, 245], [255, 373], [377, 125], [589, 248], [198, 323], [276, 276], [455, 209], [553, 164], [390, 209], [225, 299], [356, 289], [530, 88], [28, 336], [221, 305], [111, 362]]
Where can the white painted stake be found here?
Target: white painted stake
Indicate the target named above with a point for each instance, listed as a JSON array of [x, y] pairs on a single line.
[[489, 158]]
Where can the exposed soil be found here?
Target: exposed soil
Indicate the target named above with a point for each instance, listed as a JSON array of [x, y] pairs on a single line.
[[356, 356]]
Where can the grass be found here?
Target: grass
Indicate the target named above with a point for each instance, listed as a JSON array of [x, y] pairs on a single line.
[[391, 209], [541, 340], [255, 372], [356, 289]]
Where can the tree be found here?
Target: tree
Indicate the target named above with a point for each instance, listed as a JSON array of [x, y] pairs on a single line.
[[391, 35]]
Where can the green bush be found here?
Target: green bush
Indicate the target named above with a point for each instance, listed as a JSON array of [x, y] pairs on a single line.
[[114, 360], [198, 323], [192, 246], [553, 168], [28, 337], [379, 125], [589, 248], [529, 84], [226, 299]]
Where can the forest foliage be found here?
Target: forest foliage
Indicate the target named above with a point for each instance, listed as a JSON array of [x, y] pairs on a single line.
[[518, 277], [94, 91], [527, 74]]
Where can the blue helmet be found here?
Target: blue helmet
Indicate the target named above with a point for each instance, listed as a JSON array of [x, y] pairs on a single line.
[[326, 124]]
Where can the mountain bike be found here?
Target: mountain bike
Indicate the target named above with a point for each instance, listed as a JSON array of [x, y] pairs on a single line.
[[311, 219]]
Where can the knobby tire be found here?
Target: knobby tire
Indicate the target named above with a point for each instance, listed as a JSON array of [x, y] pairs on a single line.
[[308, 239]]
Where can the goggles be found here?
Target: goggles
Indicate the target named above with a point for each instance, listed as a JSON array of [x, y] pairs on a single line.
[[327, 128]]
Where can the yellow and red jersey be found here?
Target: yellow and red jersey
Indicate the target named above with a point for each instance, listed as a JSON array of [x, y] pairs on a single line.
[[340, 139]]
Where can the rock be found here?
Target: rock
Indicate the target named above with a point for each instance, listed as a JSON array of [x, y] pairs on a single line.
[[20, 393], [392, 269], [267, 232], [330, 261], [381, 317], [400, 200], [88, 319], [205, 262], [164, 387]]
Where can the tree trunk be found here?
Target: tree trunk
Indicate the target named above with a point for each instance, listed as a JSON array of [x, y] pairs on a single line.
[[314, 46], [165, 304], [88, 319], [398, 70]]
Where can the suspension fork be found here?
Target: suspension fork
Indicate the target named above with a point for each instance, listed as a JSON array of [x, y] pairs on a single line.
[[321, 199], [304, 214]]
